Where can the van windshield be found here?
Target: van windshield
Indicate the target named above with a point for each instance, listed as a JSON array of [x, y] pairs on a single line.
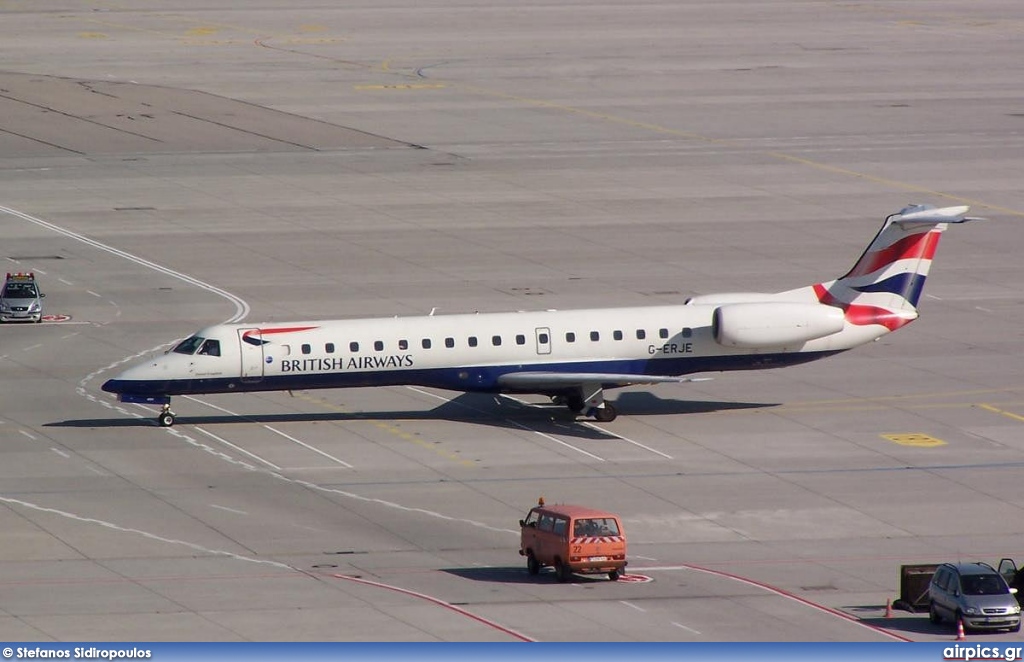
[[596, 526], [983, 585]]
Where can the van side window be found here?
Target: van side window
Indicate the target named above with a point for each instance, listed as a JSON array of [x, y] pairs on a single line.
[[561, 526], [546, 522], [531, 519]]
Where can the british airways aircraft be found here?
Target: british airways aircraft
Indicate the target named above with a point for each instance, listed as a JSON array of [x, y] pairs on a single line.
[[571, 355]]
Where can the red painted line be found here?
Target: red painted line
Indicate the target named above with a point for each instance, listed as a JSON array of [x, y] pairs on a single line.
[[440, 603], [785, 594]]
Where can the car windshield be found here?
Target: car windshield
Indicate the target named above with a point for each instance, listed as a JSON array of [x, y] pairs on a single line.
[[20, 291], [983, 585], [188, 345]]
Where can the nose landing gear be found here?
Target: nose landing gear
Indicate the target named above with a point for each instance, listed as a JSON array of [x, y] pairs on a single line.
[[166, 417]]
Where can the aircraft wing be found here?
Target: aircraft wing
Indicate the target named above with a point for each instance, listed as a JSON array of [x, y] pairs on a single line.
[[541, 380]]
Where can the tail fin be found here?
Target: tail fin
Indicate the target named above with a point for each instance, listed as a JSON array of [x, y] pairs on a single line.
[[885, 284]]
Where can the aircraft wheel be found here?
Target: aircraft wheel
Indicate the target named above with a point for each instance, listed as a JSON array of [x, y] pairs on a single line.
[[605, 414], [165, 419]]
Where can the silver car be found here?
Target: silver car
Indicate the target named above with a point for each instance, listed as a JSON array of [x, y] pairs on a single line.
[[20, 299], [975, 594]]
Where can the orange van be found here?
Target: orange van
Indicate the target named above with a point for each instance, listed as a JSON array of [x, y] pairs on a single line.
[[572, 539]]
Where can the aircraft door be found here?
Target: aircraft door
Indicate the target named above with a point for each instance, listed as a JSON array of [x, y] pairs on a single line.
[[543, 340], [251, 343]]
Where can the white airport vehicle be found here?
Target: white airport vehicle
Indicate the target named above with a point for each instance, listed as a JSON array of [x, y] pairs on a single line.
[[570, 355]]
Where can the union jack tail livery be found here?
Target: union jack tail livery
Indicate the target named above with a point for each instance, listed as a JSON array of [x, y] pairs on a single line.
[[885, 284]]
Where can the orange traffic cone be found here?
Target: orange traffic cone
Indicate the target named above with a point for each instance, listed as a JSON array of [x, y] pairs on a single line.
[[960, 629], [888, 608]]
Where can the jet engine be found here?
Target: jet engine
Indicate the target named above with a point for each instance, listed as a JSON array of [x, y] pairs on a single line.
[[774, 324]]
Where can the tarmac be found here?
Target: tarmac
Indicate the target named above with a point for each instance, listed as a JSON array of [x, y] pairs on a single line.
[[167, 166]]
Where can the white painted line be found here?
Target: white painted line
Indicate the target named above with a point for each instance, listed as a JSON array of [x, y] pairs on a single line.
[[230, 510], [98, 296], [275, 431], [305, 445], [515, 423], [633, 606], [625, 439], [240, 450], [61, 453], [31, 347], [66, 282], [680, 625], [28, 434]]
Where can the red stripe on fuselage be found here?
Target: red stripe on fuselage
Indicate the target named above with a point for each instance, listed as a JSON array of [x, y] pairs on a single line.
[[286, 329], [859, 314]]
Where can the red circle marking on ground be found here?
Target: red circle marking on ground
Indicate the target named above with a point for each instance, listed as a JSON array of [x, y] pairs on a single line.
[[56, 318], [636, 579]]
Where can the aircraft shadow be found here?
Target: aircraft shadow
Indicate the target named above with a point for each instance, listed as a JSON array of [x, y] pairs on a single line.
[[901, 621], [519, 575], [475, 408]]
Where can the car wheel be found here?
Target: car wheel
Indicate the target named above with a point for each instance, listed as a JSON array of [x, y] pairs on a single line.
[[562, 571], [933, 614], [613, 575], [532, 566]]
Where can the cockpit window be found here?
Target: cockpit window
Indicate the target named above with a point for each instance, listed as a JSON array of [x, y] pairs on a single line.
[[188, 345], [210, 348]]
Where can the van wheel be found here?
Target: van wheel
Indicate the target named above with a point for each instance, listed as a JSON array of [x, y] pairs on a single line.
[[933, 614], [613, 575], [532, 566], [562, 571]]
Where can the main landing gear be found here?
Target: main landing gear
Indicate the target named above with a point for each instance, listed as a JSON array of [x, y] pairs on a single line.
[[166, 417], [589, 397]]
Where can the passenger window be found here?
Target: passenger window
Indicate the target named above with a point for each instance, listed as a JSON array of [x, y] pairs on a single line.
[[595, 336], [543, 339], [403, 344], [520, 339], [306, 349], [212, 347], [449, 342], [496, 341], [570, 337], [617, 335], [329, 348], [545, 523], [640, 334], [287, 349], [687, 332], [425, 343], [561, 526], [378, 345], [353, 347], [663, 333], [472, 341]]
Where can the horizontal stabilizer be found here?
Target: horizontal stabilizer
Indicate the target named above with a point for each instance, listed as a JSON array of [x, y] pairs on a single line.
[[932, 215]]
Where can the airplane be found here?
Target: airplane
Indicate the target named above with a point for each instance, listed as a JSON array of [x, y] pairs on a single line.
[[572, 356]]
